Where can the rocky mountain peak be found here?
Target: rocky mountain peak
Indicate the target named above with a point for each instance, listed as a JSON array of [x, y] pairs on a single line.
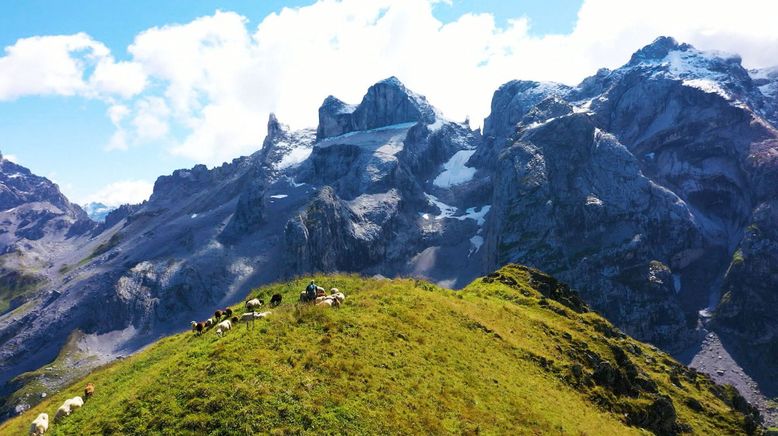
[[275, 131], [386, 103], [18, 185], [657, 50]]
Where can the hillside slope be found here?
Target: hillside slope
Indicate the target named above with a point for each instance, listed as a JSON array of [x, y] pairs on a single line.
[[514, 352]]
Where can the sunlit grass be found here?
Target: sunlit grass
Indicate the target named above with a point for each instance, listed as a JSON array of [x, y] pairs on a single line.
[[399, 357]]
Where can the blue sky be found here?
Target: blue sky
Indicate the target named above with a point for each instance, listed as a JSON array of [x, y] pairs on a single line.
[[199, 88], [64, 137]]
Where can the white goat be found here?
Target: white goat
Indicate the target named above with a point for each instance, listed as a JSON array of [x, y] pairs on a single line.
[[251, 316], [253, 304], [40, 425], [75, 403], [223, 326], [63, 411]]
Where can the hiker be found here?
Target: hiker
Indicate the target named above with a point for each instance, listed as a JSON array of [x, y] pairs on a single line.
[[310, 292]]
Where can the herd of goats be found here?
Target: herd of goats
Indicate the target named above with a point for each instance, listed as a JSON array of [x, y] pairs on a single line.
[[223, 321]]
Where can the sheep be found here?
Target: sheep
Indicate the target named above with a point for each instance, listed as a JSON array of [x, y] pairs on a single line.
[[194, 325], [218, 315], [63, 411], [275, 300], [69, 406], [199, 327], [40, 425], [327, 302], [223, 326], [253, 304], [228, 312], [75, 403], [320, 292], [89, 390], [208, 323], [250, 317], [339, 296]]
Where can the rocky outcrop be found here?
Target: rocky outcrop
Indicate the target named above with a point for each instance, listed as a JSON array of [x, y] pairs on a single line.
[[335, 118], [641, 187], [329, 236], [386, 103], [283, 148], [510, 103], [555, 207], [749, 304]]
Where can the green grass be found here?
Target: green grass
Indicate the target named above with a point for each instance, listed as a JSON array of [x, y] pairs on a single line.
[[99, 250], [14, 284], [49, 378], [399, 357]]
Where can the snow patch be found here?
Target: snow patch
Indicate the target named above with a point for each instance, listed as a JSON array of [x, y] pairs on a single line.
[[295, 156], [455, 172], [403, 126], [478, 242], [294, 184], [707, 86], [279, 196], [479, 216], [591, 200], [194, 215], [437, 125], [446, 211]]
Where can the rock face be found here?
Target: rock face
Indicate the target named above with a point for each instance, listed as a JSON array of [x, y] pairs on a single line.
[[748, 304], [36, 223], [642, 189], [557, 208], [510, 103], [355, 200], [386, 103], [650, 188]]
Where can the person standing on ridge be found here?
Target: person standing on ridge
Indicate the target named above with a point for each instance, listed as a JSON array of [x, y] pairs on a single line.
[[310, 292]]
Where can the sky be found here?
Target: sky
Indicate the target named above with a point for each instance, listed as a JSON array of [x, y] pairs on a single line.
[[104, 97]]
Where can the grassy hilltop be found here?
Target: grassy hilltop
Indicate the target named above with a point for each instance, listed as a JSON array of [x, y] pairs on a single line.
[[513, 353]]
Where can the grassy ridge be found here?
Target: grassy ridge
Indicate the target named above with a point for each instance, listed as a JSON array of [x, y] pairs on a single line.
[[405, 357]]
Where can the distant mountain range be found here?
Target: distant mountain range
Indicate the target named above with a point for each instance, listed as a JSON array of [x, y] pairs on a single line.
[[97, 211], [651, 188]]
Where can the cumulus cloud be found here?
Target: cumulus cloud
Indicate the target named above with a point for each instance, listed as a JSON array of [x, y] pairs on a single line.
[[122, 192], [221, 78], [214, 80], [56, 65]]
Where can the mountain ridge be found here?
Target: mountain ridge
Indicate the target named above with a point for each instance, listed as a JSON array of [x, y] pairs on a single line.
[[648, 241], [391, 361]]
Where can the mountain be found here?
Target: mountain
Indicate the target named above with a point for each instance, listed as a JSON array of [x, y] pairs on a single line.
[[345, 202], [97, 211], [649, 188], [515, 351], [37, 224]]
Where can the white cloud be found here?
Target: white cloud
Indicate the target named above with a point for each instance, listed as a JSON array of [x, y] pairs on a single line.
[[150, 121], [56, 65], [216, 79], [122, 192], [11, 157], [123, 79], [221, 80]]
